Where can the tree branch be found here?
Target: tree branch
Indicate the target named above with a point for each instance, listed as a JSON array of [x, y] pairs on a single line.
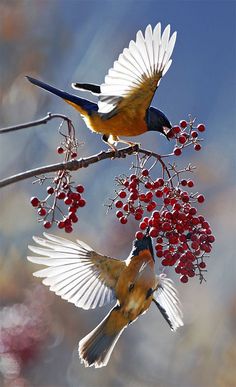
[[74, 165], [43, 120]]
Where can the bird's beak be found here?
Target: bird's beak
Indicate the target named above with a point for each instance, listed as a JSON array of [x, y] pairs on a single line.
[[167, 132]]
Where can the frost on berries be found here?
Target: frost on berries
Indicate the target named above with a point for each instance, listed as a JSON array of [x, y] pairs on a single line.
[[63, 197], [164, 203]]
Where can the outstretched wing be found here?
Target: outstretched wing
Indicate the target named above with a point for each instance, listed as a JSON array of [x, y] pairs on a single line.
[[137, 72], [166, 299], [76, 272]]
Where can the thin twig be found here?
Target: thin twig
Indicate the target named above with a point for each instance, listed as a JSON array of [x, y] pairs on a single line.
[[43, 120]]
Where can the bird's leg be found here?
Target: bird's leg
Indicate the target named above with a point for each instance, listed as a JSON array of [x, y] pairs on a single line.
[[107, 139], [130, 143]]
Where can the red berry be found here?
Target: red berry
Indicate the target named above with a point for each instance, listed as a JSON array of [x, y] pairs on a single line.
[[42, 211], [200, 199], [68, 229], [68, 201], [74, 217], [60, 150], [183, 124], [158, 193], [165, 262], [166, 226], [184, 279], [190, 183], [73, 155], [202, 265], [183, 182], [182, 139], [81, 203], [133, 196], [47, 224], [145, 172], [122, 194], [73, 209], [192, 211], [61, 195], [156, 215], [123, 220], [118, 204], [61, 224], [211, 239], [197, 147], [153, 232], [80, 189], [159, 253], [170, 134], [139, 235], [195, 245], [194, 134], [185, 198], [201, 128], [205, 225], [142, 226], [67, 222], [160, 181], [50, 190], [132, 177], [176, 129], [177, 151], [119, 214], [34, 201], [126, 207]]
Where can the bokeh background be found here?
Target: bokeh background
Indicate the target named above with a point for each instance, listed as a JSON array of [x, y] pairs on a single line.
[[61, 41]]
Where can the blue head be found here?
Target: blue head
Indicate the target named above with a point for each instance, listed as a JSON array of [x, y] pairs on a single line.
[[144, 244], [157, 121]]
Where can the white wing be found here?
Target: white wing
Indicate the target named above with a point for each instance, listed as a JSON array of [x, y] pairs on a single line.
[[139, 67], [166, 297], [76, 272]]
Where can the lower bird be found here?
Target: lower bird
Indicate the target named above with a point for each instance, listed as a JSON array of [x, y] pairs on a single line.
[[88, 279], [124, 99]]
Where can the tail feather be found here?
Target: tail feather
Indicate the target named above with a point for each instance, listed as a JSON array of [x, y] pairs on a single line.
[[95, 349], [70, 98]]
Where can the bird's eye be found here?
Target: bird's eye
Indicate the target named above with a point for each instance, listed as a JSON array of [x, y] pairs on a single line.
[[131, 286]]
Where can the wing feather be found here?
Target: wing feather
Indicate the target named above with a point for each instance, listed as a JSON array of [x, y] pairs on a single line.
[[138, 71], [75, 271]]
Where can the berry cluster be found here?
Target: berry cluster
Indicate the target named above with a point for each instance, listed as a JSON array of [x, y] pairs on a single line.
[[186, 134], [165, 207], [24, 329], [63, 199]]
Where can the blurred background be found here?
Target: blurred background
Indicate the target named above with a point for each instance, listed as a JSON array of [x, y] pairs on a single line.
[[63, 41]]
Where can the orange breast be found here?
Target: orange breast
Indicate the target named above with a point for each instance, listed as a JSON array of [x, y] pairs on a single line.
[[133, 275], [121, 124], [129, 121]]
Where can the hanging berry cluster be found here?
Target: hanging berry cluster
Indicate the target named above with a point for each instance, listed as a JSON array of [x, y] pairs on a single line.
[[63, 198], [166, 206]]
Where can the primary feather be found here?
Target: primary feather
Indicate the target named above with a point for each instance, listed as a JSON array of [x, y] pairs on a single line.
[[138, 69], [76, 272]]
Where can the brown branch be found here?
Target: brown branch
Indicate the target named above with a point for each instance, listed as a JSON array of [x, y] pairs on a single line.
[[74, 165], [43, 120]]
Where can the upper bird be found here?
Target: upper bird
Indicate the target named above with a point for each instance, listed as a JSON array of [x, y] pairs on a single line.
[[88, 279], [124, 98]]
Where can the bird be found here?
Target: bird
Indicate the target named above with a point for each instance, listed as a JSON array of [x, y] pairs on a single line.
[[88, 279], [124, 99]]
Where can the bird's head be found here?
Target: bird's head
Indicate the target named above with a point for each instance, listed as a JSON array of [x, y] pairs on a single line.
[[143, 244], [157, 121]]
